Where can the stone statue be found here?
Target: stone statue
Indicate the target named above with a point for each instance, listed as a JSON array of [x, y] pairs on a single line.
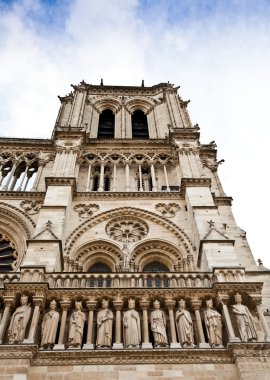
[[131, 325], [76, 324], [213, 325], [244, 320], [19, 321], [126, 256], [158, 326], [104, 326], [184, 325], [49, 326]]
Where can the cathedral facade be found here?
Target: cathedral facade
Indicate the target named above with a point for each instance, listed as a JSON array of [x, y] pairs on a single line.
[[119, 253]]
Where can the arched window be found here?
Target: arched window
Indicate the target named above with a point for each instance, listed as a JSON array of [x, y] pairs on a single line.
[[99, 268], [8, 254], [139, 125], [155, 266], [106, 125]]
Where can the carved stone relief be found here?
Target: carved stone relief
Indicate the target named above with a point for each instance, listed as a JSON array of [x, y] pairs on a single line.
[[86, 210], [127, 230], [168, 210]]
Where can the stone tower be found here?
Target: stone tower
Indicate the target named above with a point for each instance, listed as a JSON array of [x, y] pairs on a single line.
[[119, 253]]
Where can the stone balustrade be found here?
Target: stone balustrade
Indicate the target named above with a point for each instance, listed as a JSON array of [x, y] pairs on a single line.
[[129, 280]]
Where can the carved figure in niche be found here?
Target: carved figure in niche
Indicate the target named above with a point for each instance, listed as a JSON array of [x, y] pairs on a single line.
[[213, 325], [184, 325], [104, 326], [19, 321], [76, 325], [126, 256], [244, 320], [158, 326], [49, 326], [131, 325]]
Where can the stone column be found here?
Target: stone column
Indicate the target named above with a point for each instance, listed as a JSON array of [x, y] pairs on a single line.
[[127, 178], [114, 177], [153, 176], [196, 304], [8, 302], [91, 304], [38, 302], [64, 306], [258, 302], [9, 176], [140, 178], [55, 164], [101, 178], [166, 178], [170, 305], [118, 344], [87, 187], [23, 178], [144, 303], [223, 299]]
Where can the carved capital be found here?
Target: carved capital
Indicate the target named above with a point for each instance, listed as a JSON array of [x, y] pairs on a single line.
[[170, 303], [9, 301], [196, 303], [223, 298], [144, 303], [91, 304], [65, 304], [38, 300]]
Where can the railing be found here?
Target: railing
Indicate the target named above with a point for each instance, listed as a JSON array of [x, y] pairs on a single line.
[[131, 280]]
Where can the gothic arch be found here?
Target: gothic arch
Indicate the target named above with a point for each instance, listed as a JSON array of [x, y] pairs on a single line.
[[18, 227], [98, 251], [108, 103], [185, 245], [156, 250], [139, 103]]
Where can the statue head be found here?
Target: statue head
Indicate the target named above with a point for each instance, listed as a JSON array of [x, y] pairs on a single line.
[[156, 304], [24, 299], [238, 298], [78, 305], [182, 304], [53, 305], [131, 303], [209, 303], [105, 303]]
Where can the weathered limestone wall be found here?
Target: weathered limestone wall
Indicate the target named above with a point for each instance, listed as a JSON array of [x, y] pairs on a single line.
[[136, 372]]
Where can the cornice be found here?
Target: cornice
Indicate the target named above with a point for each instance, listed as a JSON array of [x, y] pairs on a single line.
[[194, 182], [24, 141], [162, 195], [132, 356], [223, 200], [191, 134], [38, 196], [61, 181], [128, 142], [231, 287]]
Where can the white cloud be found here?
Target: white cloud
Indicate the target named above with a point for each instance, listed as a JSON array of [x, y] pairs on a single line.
[[220, 56]]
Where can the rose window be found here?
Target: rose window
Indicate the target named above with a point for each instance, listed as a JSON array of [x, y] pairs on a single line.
[[127, 230], [8, 254]]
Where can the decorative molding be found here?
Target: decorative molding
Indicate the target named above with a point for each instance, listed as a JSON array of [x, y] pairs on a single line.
[[86, 210], [31, 207], [130, 212], [127, 230], [161, 195], [168, 210]]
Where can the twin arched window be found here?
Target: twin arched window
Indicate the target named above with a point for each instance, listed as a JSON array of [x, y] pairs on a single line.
[[106, 125]]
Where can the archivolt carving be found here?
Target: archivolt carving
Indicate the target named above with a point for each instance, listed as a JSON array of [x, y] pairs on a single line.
[[17, 226], [184, 242], [94, 252], [144, 104], [156, 250], [107, 103]]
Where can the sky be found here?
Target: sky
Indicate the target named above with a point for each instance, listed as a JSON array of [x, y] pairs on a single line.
[[218, 51]]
